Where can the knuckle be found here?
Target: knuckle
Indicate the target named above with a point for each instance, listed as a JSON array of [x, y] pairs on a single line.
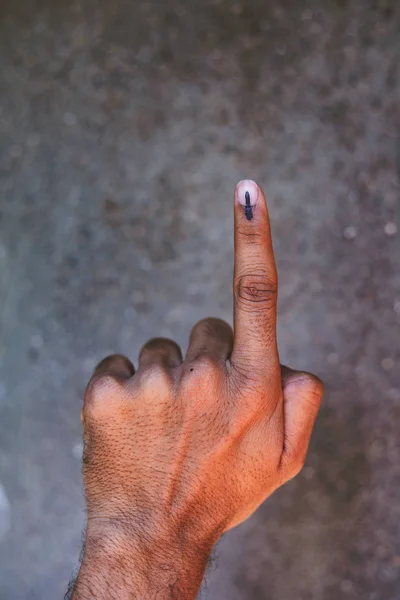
[[114, 362], [210, 327], [256, 291], [207, 365], [100, 390], [203, 371], [156, 377], [159, 345]]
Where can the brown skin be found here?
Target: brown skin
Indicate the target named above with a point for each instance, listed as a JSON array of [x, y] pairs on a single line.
[[180, 451]]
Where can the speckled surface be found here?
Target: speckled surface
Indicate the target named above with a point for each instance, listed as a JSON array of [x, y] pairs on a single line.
[[124, 127]]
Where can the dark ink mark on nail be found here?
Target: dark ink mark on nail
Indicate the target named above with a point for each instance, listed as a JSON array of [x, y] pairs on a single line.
[[248, 209]]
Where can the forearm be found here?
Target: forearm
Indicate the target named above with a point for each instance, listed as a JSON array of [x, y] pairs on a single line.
[[131, 569]]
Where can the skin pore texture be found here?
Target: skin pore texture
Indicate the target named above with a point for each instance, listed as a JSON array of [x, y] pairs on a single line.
[[181, 450]]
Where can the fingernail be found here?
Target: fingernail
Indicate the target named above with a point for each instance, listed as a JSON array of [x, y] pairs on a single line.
[[247, 193]]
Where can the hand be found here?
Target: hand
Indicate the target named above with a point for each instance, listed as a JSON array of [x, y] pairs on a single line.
[[180, 451]]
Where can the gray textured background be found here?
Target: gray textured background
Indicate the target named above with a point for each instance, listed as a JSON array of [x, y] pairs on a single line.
[[124, 127]]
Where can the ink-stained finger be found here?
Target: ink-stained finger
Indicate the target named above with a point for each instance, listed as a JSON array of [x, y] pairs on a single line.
[[255, 283]]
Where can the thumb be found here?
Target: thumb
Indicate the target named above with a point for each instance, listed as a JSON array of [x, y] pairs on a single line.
[[302, 395]]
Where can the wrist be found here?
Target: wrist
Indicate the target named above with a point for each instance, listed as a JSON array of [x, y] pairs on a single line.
[[122, 561]]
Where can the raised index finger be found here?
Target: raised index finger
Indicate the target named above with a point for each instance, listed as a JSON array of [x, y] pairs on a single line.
[[255, 283]]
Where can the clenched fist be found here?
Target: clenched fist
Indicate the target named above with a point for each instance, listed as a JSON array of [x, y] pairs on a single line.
[[182, 449]]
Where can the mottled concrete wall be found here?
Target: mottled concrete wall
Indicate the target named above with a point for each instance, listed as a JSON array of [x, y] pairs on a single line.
[[124, 127]]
